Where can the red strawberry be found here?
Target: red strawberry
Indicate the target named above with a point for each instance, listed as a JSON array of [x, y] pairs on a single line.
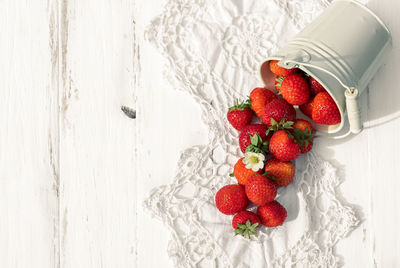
[[303, 125], [250, 130], [280, 71], [272, 214], [283, 146], [295, 89], [240, 115], [260, 190], [278, 109], [304, 134], [325, 110], [315, 86], [242, 174], [246, 223], [259, 97], [281, 171], [307, 108], [231, 199]]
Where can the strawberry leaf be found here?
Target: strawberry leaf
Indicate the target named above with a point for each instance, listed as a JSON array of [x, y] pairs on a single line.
[[247, 229], [269, 176], [275, 126], [255, 140], [240, 106], [286, 125], [303, 137], [265, 146], [273, 121], [279, 81], [257, 145], [255, 149]]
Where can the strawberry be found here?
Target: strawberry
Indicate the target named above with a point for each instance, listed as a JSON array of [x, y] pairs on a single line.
[[259, 97], [280, 71], [272, 214], [282, 172], [251, 130], [325, 110], [315, 86], [283, 146], [260, 190], [240, 115], [231, 199], [304, 134], [295, 89], [303, 125], [242, 174], [307, 107], [278, 109], [246, 223]]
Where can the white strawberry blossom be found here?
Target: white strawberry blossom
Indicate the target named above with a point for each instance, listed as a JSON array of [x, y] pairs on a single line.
[[254, 161]]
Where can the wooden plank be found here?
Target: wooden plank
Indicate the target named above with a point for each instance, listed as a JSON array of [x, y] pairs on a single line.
[[168, 122], [29, 138], [97, 141], [384, 146]]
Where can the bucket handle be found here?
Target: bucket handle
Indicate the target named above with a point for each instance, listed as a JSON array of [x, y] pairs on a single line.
[[351, 93]]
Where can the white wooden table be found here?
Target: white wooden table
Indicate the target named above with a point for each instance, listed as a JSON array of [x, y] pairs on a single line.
[[74, 170]]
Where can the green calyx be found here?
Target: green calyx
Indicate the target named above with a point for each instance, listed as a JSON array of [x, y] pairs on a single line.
[[257, 145], [240, 106], [269, 176], [279, 81], [303, 137], [247, 229], [275, 126]]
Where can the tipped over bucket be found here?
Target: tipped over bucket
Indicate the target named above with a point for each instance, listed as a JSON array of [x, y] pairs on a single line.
[[342, 49]]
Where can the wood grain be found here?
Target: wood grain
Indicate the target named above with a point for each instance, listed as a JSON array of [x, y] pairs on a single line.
[[384, 147], [97, 141], [29, 166]]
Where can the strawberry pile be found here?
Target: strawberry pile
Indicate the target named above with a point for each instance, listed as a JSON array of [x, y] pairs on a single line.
[[270, 146]]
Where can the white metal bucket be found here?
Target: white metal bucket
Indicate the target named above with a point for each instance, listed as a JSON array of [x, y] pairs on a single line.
[[342, 49]]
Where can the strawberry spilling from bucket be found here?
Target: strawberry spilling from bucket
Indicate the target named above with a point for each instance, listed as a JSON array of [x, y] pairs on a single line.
[[271, 147], [259, 97], [325, 110], [295, 89], [315, 86], [307, 108], [248, 132], [240, 115], [246, 223], [267, 167], [278, 110], [280, 71]]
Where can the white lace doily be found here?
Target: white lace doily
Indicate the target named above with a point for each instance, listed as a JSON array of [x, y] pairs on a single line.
[[214, 49]]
